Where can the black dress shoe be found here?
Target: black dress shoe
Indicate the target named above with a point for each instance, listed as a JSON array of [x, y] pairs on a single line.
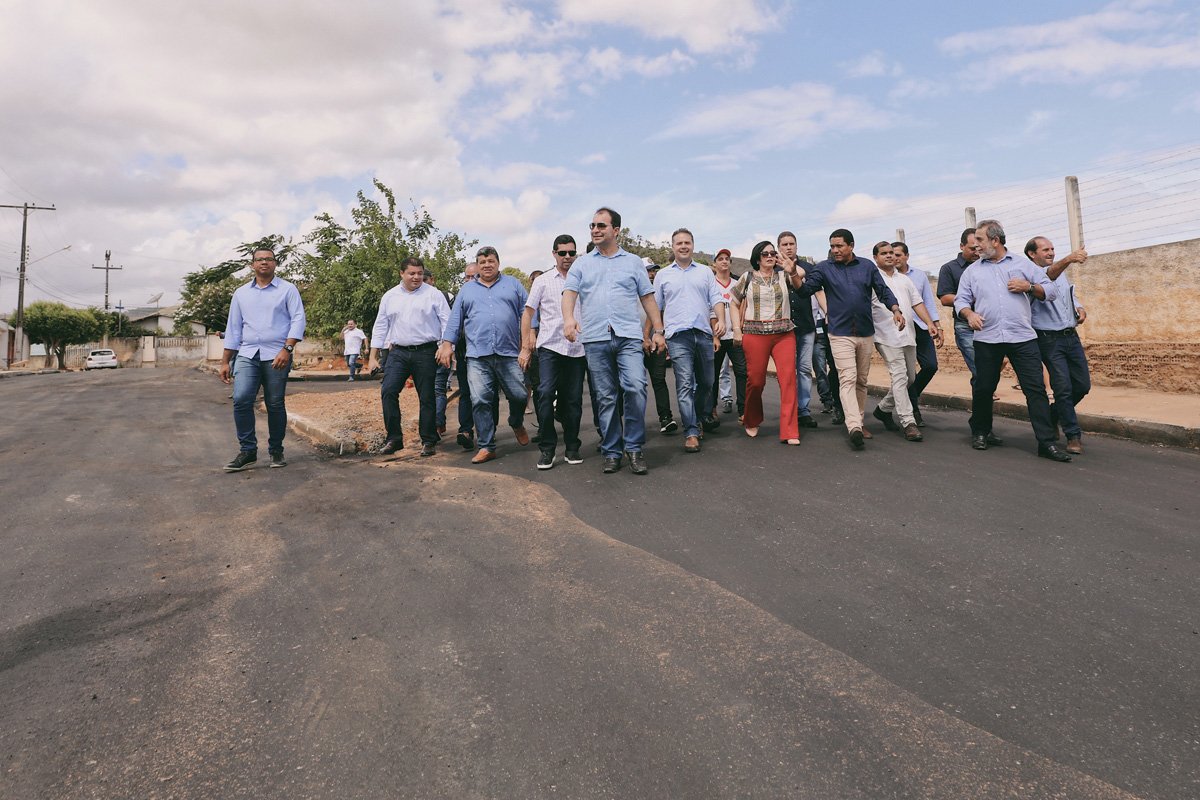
[[466, 440], [637, 463], [611, 465], [807, 422], [391, 446], [839, 417], [1054, 453], [979, 441], [710, 424], [427, 450], [886, 418], [993, 440], [917, 416]]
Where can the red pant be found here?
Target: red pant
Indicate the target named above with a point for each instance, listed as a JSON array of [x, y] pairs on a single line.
[[782, 348]]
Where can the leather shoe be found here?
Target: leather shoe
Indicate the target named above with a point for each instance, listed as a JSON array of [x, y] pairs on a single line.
[[867, 434], [483, 456], [839, 418], [917, 416], [856, 439], [691, 444], [427, 450], [993, 440], [521, 434], [391, 446], [1074, 445], [1054, 453], [912, 434], [979, 441], [807, 422], [637, 463], [466, 440], [611, 465], [885, 418]]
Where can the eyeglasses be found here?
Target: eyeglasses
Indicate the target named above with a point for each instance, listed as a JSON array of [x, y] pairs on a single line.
[[597, 226], [565, 253], [767, 254], [263, 260]]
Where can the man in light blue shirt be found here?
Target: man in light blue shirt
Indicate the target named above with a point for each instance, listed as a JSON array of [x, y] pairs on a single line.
[[609, 284], [693, 316], [929, 338], [1062, 352], [488, 312], [993, 299], [266, 321]]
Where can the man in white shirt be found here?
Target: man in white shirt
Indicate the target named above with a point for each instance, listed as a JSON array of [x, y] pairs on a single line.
[[562, 364], [353, 337], [409, 325], [726, 347], [898, 347]]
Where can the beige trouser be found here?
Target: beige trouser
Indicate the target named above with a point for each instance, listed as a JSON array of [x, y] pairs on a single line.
[[852, 357], [902, 367]]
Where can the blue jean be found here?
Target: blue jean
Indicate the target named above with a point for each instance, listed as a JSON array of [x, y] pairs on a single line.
[[821, 368], [249, 374], [616, 367], [1062, 353], [804, 378], [488, 376], [562, 389], [403, 363], [441, 387], [352, 363], [964, 337], [692, 361]]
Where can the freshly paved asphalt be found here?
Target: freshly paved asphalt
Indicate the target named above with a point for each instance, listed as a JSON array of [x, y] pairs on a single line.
[[917, 620]]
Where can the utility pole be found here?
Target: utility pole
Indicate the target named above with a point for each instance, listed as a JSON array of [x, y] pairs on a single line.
[[20, 326], [969, 216], [899, 234], [1074, 212], [107, 269], [119, 309]]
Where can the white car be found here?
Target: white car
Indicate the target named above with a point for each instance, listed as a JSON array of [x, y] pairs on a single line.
[[101, 359]]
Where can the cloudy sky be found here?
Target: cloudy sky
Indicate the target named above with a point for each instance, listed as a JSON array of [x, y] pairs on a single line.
[[170, 132]]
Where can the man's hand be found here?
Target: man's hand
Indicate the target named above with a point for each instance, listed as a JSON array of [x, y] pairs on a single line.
[[224, 373], [716, 344], [899, 317], [972, 319], [936, 333], [372, 364], [658, 343], [737, 336], [1019, 285], [571, 329], [523, 358], [1077, 256], [718, 328], [281, 360], [445, 354], [1080, 315]]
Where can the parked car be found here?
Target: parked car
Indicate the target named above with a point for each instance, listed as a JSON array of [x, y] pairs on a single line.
[[101, 359]]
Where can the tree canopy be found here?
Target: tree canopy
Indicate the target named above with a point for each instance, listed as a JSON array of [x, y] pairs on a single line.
[[57, 326], [208, 291]]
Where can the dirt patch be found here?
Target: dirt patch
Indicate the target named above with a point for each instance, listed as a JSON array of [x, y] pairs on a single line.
[[357, 416]]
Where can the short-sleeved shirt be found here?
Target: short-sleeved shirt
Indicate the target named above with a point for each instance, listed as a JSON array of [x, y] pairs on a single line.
[[907, 296], [545, 298], [686, 297], [354, 339], [950, 274], [610, 290], [768, 305], [726, 290]]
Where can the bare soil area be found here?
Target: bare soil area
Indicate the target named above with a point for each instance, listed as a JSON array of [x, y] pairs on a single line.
[[356, 415]]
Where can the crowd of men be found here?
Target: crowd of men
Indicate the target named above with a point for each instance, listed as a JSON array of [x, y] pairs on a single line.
[[608, 319]]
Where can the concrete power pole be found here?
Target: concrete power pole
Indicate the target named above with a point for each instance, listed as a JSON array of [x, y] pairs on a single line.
[[20, 320], [969, 214], [107, 269], [1074, 212], [899, 234]]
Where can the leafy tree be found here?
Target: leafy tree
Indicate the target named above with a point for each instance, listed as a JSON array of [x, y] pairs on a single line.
[[208, 291], [349, 268], [661, 253], [519, 274], [56, 326]]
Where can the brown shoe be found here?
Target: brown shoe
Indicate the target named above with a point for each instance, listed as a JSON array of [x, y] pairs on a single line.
[[867, 434], [912, 434], [1074, 446], [691, 444], [484, 456], [521, 434]]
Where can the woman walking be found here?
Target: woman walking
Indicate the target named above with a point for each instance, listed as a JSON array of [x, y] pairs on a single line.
[[762, 320]]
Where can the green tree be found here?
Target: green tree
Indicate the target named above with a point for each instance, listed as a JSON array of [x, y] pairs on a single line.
[[348, 269], [519, 274], [661, 253], [57, 326], [208, 291]]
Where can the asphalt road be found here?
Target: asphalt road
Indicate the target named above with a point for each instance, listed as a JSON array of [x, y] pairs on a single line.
[[917, 620]]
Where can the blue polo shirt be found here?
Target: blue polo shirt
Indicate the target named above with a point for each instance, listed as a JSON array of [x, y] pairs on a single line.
[[848, 289], [610, 290], [489, 316], [1006, 315], [686, 297]]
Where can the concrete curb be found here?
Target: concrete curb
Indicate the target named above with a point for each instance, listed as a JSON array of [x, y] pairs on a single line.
[[307, 428], [18, 373], [1138, 430], [299, 374]]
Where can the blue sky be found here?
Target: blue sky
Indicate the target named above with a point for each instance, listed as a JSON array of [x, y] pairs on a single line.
[[168, 136]]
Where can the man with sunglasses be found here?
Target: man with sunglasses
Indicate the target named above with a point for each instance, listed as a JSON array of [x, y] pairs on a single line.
[[561, 363], [609, 284]]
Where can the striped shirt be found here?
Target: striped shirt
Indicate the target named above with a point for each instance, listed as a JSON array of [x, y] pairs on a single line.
[[768, 309]]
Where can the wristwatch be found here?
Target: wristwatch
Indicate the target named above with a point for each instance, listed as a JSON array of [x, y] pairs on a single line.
[[660, 333], [289, 347]]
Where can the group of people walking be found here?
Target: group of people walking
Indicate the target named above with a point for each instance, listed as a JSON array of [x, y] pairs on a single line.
[[602, 319]]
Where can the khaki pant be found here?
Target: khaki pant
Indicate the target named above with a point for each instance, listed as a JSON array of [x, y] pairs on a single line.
[[852, 357], [902, 368]]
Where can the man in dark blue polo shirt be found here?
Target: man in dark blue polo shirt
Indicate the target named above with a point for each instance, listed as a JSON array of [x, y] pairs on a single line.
[[947, 287], [849, 281]]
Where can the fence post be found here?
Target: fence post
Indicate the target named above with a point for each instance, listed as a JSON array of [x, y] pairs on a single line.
[[969, 214], [899, 234], [1074, 213]]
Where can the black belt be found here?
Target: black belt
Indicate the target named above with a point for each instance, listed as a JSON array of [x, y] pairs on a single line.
[[1063, 332], [413, 346]]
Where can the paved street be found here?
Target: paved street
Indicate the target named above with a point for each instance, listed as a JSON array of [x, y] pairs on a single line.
[[916, 621]]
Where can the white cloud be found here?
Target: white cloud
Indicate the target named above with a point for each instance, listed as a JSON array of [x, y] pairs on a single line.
[[705, 26], [874, 65], [593, 158]]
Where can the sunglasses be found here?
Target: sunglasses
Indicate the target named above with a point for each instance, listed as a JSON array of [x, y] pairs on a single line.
[[565, 253], [598, 226], [767, 254]]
